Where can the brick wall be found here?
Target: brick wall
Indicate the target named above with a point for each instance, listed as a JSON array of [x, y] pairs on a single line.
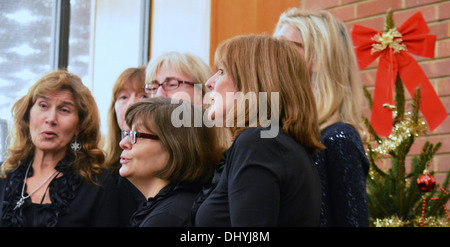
[[371, 13]]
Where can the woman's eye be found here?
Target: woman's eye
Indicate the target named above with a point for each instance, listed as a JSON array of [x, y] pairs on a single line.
[[143, 96], [221, 71]]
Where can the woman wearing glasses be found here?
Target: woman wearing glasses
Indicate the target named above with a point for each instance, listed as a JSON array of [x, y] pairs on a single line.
[[167, 164], [177, 75]]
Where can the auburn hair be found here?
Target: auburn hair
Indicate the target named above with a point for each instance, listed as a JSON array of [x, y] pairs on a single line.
[[260, 63]]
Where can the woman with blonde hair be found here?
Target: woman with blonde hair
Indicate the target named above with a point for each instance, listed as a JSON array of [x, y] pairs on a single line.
[[53, 174], [343, 165], [268, 177], [177, 75], [181, 75]]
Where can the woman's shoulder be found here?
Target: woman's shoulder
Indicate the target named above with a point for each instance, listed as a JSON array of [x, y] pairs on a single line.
[[339, 131], [254, 136]]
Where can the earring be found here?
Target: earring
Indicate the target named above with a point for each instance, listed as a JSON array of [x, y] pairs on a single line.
[[75, 144]]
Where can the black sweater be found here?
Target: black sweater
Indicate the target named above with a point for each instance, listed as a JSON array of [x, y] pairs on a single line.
[[264, 182]]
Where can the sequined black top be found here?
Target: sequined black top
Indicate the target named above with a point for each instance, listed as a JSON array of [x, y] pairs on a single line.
[[343, 168]]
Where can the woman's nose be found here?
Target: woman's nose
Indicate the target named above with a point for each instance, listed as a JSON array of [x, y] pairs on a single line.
[[210, 83], [133, 99], [160, 92], [124, 143], [51, 116]]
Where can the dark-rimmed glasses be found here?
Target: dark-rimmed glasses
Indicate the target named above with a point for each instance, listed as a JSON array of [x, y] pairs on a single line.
[[133, 135], [168, 85]]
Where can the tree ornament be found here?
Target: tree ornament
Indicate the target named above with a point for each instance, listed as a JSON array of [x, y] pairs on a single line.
[[426, 182]]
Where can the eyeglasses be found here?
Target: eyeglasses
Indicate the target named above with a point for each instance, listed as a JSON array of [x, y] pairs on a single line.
[[133, 135], [168, 85]]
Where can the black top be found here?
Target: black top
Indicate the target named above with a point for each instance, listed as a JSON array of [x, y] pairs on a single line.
[[171, 207], [130, 199], [75, 202], [343, 169], [264, 182]]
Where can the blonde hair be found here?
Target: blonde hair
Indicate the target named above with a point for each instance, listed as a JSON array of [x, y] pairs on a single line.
[[184, 63], [112, 147], [193, 151], [89, 160], [193, 67], [260, 63], [328, 48]]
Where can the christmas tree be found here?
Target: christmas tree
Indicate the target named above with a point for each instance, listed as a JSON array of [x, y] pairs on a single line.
[[397, 197]]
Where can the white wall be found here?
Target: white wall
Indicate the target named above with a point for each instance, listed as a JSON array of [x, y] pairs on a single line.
[[115, 47], [181, 25], [177, 25]]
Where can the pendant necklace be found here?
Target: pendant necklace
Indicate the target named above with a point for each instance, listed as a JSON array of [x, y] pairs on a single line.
[[23, 198]]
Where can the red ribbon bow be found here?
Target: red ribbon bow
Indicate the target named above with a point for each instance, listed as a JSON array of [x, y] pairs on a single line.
[[394, 60]]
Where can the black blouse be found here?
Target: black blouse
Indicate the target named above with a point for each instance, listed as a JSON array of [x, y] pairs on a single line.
[[75, 202], [171, 207], [263, 182], [130, 199], [343, 169]]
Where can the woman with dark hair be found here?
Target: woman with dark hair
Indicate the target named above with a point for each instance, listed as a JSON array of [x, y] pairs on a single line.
[[167, 164], [53, 173]]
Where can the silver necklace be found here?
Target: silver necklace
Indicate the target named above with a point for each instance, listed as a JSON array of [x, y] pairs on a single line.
[[23, 198]]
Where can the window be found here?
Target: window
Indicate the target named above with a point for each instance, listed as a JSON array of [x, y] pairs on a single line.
[[31, 45], [95, 39]]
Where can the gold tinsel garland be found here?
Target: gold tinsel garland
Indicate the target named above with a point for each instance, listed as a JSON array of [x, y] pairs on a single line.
[[394, 221], [400, 132]]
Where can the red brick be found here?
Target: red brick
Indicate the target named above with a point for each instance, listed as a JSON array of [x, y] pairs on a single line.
[[428, 12], [367, 77], [436, 68], [344, 13], [442, 86], [442, 48], [444, 10], [446, 102], [416, 148], [348, 1], [375, 7], [319, 4], [441, 161], [413, 3], [376, 23], [440, 29], [444, 128]]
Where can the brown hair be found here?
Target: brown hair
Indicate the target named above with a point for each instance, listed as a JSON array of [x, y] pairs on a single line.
[[112, 147], [260, 63], [88, 161], [193, 151]]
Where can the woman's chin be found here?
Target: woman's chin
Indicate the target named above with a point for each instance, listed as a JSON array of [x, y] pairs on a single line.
[[123, 171]]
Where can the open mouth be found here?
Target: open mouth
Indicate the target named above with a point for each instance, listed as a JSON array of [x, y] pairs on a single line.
[[49, 134]]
